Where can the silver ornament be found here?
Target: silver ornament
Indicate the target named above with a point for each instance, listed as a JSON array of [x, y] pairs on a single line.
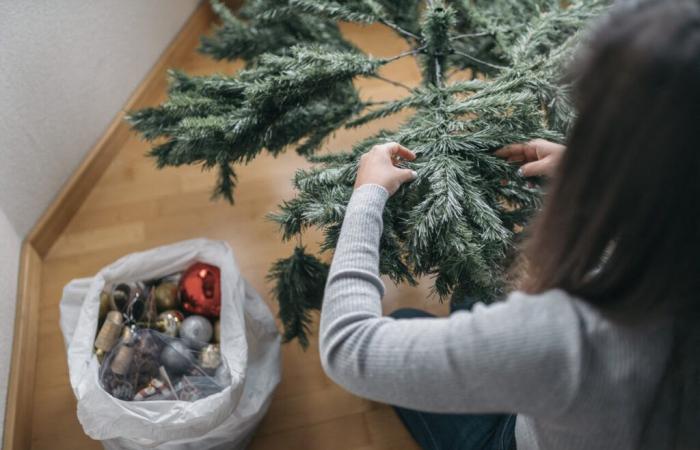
[[196, 331], [176, 357]]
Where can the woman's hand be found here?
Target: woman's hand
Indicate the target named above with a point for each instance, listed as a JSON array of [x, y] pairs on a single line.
[[377, 167], [538, 157]]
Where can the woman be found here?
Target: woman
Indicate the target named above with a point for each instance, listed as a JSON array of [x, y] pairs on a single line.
[[599, 350]]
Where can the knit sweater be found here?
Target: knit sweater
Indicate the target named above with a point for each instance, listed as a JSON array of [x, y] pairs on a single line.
[[576, 379]]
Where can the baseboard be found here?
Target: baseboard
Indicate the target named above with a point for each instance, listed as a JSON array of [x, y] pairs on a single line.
[[18, 410], [20, 392]]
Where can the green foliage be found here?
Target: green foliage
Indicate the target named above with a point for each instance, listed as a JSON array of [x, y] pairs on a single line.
[[268, 26], [457, 222], [223, 120], [299, 282]]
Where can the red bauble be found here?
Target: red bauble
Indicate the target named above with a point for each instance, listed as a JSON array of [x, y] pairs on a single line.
[[200, 290]]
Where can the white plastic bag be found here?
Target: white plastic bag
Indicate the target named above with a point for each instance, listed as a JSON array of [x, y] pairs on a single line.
[[249, 342]]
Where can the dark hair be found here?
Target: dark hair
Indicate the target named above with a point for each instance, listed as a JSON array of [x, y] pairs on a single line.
[[621, 224]]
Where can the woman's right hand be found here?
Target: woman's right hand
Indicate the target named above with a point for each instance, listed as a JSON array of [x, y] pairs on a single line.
[[377, 166], [537, 158]]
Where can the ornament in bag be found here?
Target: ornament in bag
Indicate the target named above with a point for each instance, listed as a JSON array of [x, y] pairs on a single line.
[[200, 290]]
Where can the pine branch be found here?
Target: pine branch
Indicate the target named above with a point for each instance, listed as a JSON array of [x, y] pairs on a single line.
[[268, 26], [479, 61], [437, 23], [419, 98], [458, 221], [469, 35], [393, 83], [334, 10], [299, 283], [411, 52]]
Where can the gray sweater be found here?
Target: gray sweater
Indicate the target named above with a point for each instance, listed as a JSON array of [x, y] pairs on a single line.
[[576, 379]]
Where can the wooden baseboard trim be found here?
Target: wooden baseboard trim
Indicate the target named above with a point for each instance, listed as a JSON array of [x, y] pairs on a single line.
[[20, 392], [19, 405]]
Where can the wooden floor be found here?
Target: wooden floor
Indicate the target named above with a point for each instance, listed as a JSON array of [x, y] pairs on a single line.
[[135, 207]]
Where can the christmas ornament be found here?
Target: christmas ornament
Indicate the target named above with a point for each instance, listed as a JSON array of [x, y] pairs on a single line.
[[104, 305], [196, 331], [169, 322], [122, 294], [127, 334], [166, 295], [210, 357], [148, 344], [109, 333], [122, 360], [176, 357], [188, 391], [144, 369], [130, 299], [150, 313], [146, 358], [200, 290], [121, 389], [134, 312], [139, 363], [138, 305], [153, 388], [217, 331]]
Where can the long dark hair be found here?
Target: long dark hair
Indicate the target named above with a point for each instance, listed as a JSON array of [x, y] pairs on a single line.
[[621, 223]]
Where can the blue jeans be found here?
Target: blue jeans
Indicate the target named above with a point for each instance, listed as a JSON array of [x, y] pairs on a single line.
[[456, 431]]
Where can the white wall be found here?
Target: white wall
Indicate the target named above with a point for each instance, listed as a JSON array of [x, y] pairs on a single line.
[[9, 256], [66, 68]]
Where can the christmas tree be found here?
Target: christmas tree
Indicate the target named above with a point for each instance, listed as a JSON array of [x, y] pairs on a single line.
[[458, 221]]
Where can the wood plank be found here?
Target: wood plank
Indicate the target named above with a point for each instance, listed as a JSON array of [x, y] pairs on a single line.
[[308, 408], [344, 433]]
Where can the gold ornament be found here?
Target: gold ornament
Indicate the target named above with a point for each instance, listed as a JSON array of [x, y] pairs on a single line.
[[104, 305], [122, 360], [169, 322], [167, 296], [127, 334], [109, 333]]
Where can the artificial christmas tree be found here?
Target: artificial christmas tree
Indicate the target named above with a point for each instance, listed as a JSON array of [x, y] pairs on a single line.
[[457, 222]]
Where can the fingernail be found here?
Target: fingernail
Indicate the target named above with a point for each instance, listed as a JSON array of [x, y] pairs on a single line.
[[415, 174], [520, 173]]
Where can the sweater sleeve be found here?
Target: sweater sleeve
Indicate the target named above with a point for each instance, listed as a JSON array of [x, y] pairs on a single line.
[[522, 355]]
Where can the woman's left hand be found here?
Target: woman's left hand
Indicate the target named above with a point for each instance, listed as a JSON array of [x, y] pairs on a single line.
[[377, 167]]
